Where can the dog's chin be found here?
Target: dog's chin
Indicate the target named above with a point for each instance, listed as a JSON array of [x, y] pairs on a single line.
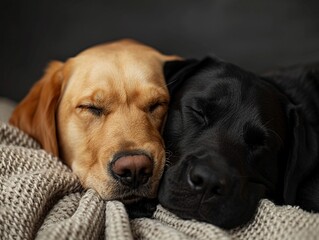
[[119, 192], [128, 195], [145, 207], [228, 215], [226, 212]]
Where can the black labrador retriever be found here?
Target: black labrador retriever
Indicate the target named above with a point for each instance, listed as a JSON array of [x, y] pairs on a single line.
[[236, 137]]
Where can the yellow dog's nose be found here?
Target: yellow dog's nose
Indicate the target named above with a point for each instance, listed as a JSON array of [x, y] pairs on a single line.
[[132, 171]]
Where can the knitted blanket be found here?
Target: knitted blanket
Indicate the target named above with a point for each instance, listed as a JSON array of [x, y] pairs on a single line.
[[40, 198]]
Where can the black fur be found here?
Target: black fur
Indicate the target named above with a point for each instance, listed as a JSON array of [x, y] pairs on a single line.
[[235, 137]]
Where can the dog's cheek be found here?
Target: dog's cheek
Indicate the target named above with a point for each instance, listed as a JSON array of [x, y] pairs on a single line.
[[101, 182]]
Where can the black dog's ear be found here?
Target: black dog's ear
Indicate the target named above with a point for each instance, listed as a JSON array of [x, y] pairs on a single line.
[[303, 149], [176, 71], [171, 68]]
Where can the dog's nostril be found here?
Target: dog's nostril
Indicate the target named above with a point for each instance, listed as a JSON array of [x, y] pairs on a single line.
[[201, 178], [196, 180], [133, 171]]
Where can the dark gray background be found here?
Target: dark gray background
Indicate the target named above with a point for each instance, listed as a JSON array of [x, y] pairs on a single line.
[[255, 34]]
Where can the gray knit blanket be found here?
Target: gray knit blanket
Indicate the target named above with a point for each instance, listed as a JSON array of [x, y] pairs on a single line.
[[40, 198]]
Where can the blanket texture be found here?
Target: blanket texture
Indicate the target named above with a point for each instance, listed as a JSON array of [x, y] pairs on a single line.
[[40, 198]]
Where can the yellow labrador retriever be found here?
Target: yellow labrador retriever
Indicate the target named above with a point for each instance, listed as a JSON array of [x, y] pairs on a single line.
[[102, 112]]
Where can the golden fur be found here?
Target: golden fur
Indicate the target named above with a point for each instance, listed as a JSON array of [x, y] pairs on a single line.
[[107, 99]]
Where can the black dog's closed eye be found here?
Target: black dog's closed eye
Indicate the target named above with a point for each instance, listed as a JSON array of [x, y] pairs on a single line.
[[254, 136], [200, 115]]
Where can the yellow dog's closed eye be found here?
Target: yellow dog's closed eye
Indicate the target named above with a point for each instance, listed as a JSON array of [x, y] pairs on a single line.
[[97, 111]]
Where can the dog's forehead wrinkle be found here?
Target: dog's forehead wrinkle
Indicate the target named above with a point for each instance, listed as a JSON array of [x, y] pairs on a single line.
[[119, 68], [122, 47]]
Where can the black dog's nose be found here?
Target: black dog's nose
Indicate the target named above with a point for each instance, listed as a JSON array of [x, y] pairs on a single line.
[[203, 178], [132, 171]]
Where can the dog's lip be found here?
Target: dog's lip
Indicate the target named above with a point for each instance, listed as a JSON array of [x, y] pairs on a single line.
[[260, 183], [129, 198]]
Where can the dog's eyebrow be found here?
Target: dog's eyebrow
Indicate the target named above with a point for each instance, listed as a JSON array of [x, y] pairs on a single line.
[[99, 97], [158, 96]]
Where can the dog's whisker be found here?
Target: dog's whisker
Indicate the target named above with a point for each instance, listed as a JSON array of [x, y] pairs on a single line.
[[277, 135], [265, 125]]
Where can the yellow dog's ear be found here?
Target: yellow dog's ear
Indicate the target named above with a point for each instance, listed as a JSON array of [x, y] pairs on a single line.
[[35, 114]]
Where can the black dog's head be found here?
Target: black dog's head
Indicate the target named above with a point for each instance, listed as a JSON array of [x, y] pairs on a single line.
[[228, 133]]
